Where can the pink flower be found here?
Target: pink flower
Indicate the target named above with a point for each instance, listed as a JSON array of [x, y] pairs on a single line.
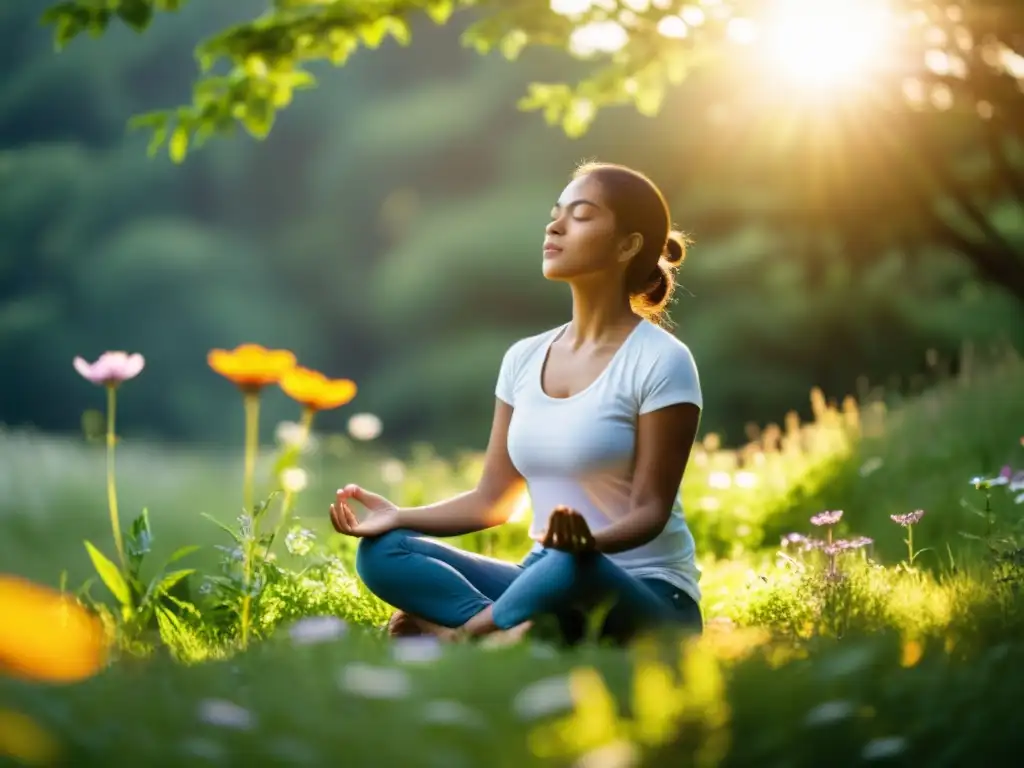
[[111, 369]]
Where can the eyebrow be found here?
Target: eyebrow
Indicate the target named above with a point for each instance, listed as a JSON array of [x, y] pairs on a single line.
[[579, 202]]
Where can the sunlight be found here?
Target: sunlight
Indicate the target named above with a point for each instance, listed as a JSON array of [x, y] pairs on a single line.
[[823, 43]]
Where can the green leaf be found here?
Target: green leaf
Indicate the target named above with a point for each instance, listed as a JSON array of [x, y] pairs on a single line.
[[188, 549], [440, 11], [513, 43], [137, 14], [223, 527], [172, 578], [110, 574], [179, 144]]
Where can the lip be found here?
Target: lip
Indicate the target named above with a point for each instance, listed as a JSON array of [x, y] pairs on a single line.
[[551, 248]]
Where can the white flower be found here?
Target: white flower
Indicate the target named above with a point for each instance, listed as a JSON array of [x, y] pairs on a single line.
[[317, 629], [416, 650], [375, 682], [225, 714], [878, 749], [446, 712], [720, 480], [364, 426], [294, 479], [544, 697], [829, 712]]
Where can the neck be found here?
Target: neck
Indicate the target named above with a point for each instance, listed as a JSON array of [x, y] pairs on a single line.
[[598, 314]]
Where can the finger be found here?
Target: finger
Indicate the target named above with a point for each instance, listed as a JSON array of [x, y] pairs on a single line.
[[551, 531], [351, 521], [560, 524], [584, 538], [334, 519]]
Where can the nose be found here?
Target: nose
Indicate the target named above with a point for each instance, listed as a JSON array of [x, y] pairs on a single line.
[[555, 227]]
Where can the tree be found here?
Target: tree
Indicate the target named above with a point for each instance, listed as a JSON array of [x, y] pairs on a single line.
[[927, 151]]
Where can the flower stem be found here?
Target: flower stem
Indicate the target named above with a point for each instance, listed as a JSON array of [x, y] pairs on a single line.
[[306, 424], [252, 423], [115, 520], [910, 543]]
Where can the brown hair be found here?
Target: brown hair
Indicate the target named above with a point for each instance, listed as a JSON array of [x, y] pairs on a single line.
[[639, 206]]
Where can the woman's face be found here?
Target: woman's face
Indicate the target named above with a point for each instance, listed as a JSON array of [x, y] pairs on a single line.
[[582, 238]]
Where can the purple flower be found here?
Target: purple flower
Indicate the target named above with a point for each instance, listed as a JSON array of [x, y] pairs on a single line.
[[827, 518], [911, 518], [111, 368]]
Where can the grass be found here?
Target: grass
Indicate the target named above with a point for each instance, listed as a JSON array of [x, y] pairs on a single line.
[[868, 662]]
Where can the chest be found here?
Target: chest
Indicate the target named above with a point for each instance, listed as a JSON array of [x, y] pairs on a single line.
[[565, 374]]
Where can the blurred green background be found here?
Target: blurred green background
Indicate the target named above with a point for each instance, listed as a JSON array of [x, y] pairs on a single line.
[[389, 230]]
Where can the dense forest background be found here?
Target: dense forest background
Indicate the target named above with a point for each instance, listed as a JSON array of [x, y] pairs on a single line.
[[388, 230]]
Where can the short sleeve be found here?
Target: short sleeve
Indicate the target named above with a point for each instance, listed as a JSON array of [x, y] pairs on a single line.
[[506, 387], [671, 380]]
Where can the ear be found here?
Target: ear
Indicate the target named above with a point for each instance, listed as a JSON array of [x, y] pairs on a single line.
[[630, 246]]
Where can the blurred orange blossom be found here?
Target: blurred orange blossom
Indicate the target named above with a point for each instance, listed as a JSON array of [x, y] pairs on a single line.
[[47, 635], [315, 391], [251, 366]]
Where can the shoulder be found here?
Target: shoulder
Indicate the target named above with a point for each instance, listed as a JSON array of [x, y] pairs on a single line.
[[666, 370], [524, 349], [661, 348], [517, 360]]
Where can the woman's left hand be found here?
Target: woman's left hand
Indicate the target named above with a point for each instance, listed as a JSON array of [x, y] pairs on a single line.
[[567, 531]]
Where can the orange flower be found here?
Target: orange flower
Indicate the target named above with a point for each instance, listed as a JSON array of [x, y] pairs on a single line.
[[46, 635], [250, 366], [315, 391]]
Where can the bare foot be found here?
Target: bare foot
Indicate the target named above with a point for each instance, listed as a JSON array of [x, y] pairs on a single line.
[[404, 624], [510, 636]]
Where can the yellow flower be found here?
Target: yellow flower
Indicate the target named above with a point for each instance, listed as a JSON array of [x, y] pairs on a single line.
[[25, 740], [250, 366], [315, 391], [46, 635]]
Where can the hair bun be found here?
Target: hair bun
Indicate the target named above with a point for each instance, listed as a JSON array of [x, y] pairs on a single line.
[[675, 248], [658, 287]]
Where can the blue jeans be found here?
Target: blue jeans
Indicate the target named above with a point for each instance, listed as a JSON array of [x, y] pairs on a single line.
[[448, 586]]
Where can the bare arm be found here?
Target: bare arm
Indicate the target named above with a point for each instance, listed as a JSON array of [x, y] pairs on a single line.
[[663, 444], [488, 505]]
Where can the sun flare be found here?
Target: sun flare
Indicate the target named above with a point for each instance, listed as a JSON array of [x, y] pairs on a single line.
[[824, 43]]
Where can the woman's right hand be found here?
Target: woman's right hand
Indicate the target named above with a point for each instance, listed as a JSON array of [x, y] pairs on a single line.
[[383, 514]]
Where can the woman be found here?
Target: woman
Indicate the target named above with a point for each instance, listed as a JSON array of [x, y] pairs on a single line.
[[598, 417]]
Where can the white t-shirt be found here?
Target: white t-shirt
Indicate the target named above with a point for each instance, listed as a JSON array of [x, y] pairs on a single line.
[[580, 451]]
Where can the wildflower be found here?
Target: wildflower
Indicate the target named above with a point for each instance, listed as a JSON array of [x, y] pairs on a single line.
[[46, 635], [447, 712], [225, 714], [317, 629], [110, 371], [827, 518], [111, 368], [910, 518], [314, 391], [720, 480], [364, 426], [880, 749], [829, 712], [416, 650], [300, 541], [294, 480], [543, 698], [251, 367], [745, 479], [375, 682]]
